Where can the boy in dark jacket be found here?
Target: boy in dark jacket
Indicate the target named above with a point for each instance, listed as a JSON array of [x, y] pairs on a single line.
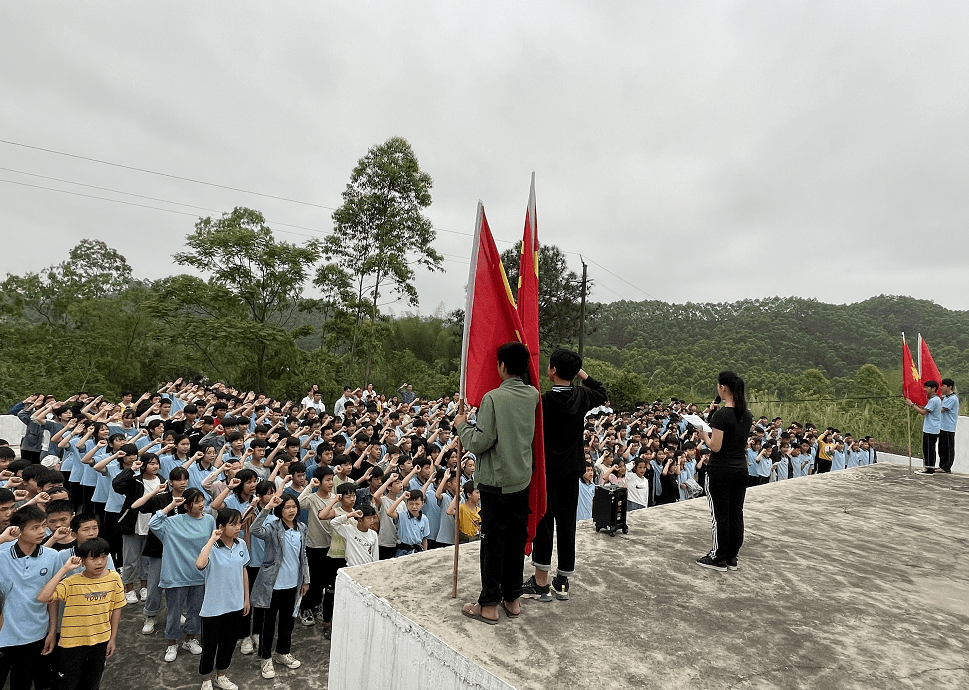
[[564, 409]]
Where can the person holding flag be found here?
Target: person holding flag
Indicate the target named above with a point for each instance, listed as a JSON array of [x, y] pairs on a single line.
[[950, 419], [502, 443], [931, 424]]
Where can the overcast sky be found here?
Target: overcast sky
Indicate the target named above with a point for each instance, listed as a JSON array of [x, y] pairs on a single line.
[[701, 152]]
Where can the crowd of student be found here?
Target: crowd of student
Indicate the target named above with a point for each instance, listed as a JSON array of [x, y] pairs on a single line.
[[238, 510], [657, 454], [235, 510]]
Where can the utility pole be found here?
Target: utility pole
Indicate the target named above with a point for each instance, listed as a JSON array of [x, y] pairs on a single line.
[[585, 272]]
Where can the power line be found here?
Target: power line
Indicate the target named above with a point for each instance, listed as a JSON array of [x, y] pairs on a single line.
[[161, 174], [236, 189]]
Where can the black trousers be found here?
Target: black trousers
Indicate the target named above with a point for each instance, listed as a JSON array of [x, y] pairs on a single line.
[[255, 616], [504, 530], [329, 583], [32, 456], [316, 558], [947, 449], [822, 466], [281, 605], [82, 667], [88, 493], [219, 635], [726, 489], [387, 552], [562, 503], [929, 442], [19, 662]]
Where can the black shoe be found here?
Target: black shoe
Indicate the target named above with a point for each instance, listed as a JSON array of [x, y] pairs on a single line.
[[926, 471], [732, 564], [560, 586], [708, 562], [942, 469], [533, 590]]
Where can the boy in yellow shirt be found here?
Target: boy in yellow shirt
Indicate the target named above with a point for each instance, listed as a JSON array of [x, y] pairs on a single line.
[[92, 610], [469, 513]]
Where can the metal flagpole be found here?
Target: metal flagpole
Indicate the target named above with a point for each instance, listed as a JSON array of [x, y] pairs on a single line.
[[457, 531]]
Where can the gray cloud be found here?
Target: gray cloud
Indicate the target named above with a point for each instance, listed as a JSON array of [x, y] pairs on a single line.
[[703, 152]]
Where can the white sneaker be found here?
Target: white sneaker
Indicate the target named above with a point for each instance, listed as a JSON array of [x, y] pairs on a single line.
[[192, 645], [149, 627], [247, 647], [288, 660], [206, 684], [131, 597], [171, 652], [181, 620], [267, 669], [144, 594], [224, 683], [306, 618]]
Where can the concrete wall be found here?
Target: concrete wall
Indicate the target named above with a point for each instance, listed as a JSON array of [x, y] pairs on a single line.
[[12, 429], [374, 646]]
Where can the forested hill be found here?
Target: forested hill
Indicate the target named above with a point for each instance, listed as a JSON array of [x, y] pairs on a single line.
[[773, 340]]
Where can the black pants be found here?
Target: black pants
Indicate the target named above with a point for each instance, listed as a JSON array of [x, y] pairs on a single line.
[[113, 536], [763, 480], [77, 496], [281, 605], [255, 616], [726, 489], [947, 449], [929, 442], [316, 558], [329, 583], [562, 503], [45, 670], [19, 662], [82, 666], [822, 466], [387, 552], [219, 635], [752, 479], [32, 456], [88, 493], [504, 530]]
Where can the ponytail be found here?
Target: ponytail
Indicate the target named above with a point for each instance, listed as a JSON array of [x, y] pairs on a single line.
[[737, 388]]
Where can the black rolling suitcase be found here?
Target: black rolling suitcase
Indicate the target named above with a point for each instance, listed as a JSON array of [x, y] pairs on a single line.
[[609, 509]]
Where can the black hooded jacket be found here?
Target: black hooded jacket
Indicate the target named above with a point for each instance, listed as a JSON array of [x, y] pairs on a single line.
[[563, 410]]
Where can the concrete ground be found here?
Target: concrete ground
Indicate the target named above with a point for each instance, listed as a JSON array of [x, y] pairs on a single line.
[[857, 579]]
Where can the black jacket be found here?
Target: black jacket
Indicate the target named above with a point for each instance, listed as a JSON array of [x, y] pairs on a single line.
[[129, 485], [563, 412]]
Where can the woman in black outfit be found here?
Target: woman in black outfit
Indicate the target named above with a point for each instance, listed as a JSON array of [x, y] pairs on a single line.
[[726, 480]]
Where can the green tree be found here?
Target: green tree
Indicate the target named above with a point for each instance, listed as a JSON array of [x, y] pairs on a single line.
[[559, 295], [381, 234], [92, 270], [249, 304]]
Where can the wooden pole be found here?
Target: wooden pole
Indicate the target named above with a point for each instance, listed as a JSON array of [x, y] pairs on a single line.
[[908, 418]]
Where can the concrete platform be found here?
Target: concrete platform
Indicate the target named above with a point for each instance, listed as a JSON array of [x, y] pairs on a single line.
[[857, 579]]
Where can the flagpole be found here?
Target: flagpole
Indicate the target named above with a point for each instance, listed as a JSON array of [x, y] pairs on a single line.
[[908, 418]]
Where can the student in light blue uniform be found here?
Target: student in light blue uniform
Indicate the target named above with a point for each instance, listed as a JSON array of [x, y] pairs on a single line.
[[948, 424], [587, 489], [25, 568], [764, 463], [838, 459], [752, 452], [223, 562], [780, 469], [183, 535], [931, 425], [412, 525], [432, 510]]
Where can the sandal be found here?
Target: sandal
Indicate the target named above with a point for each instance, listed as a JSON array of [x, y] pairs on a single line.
[[509, 613], [476, 615]]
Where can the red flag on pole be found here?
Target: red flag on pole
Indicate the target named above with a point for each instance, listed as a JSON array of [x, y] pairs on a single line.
[[490, 318], [528, 314], [930, 372], [911, 381]]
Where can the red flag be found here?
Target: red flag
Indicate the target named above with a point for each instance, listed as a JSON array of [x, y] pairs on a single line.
[[490, 319], [528, 314], [930, 372], [911, 385]]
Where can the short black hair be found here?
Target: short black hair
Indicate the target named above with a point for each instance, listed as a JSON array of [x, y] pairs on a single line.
[[26, 515], [6, 496], [60, 507], [7, 453], [515, 357], [93, 548], [82, 518], [179, 473], [227, 516], [367, 510], [566, 363]]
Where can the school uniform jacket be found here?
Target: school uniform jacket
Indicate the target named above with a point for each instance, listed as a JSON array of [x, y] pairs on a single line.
[[272, 560]]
